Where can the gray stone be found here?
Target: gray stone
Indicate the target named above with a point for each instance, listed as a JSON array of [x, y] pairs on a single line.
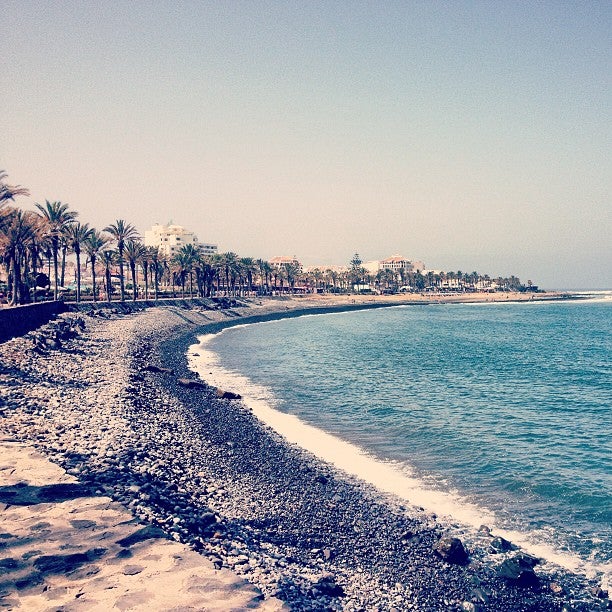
[[451, 550]]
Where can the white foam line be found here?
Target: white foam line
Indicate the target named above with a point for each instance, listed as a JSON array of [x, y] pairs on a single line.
[[389, 477]]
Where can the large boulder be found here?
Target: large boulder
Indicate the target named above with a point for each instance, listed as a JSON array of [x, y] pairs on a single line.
[[451, 550], [499, 544], [519, 569], [191, 383], [228, 395]]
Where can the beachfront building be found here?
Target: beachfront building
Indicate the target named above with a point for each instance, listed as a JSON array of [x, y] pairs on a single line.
[[286, 272], [170, 238], [285, 261], [395, 263]]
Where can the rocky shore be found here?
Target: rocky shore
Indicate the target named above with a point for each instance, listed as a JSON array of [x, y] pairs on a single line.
[[110, 400]]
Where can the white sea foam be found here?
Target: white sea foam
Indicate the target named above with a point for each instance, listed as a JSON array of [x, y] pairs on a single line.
[[396, 478]]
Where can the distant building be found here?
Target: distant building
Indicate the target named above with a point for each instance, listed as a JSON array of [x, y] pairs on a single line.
[[395, 263], [170, 238], [285, 261], [326, 268]]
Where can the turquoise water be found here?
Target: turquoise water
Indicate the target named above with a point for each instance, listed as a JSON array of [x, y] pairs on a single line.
[[509, 405]]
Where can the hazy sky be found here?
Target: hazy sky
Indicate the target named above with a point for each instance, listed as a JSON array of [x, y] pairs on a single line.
[[471, 135]]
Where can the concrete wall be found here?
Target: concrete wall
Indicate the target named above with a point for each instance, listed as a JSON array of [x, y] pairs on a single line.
[[19, 320]]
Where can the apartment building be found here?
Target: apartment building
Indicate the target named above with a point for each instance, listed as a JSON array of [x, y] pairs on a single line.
[[170, 238]]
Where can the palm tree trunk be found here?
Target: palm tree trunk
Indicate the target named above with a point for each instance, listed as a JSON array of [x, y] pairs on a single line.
[[146, 280], [64, 249], [121, 281], [14, 257], [134, 292], [55, 273], [93, 276], [107, 278], [78, 271]]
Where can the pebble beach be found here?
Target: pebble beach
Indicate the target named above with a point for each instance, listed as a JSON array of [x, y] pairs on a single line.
[[262, 524]]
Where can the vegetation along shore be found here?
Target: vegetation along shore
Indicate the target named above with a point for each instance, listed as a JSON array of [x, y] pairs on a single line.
[[36, 245]]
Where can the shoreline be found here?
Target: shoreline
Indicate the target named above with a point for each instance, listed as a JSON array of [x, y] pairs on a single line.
[[206, 470]]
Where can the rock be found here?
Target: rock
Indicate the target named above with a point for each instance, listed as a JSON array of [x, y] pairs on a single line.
[[556, 588], [228, 395], [500, 544], [481, 595], [191, 383], [599, 592], [451, 550], [519, 569], [327, 586]]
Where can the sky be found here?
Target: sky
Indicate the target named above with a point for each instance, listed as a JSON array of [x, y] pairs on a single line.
[[474, 136]]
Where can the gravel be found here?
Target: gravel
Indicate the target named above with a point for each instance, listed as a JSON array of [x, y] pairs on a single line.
[[107, 406]]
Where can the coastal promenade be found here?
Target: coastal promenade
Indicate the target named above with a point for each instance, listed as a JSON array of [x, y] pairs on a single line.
[[142, 488]]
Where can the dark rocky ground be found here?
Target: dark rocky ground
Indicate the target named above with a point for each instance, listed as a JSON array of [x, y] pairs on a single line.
[[209, 473]]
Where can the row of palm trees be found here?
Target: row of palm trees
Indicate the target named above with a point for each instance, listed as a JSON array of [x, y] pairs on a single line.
[[47, 235], [28, 239]]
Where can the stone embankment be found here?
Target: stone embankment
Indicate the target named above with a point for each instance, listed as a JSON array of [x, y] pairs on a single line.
[[117, 408]]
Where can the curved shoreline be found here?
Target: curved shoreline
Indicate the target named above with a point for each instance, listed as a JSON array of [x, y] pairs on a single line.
[[180, 346], [354, 461], [209, 473]]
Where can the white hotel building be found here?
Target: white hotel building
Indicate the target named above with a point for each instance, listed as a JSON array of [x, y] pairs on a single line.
[[170, 238], [395, 263]]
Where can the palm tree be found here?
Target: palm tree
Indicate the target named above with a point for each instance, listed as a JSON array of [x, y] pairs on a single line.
[[57, 217], [228, 262], [134, 250], [77, 234], [35, 248], [331, 278], [9, 192], [19, 228], [180, 266], [94, 243], [292, 271], [145, 261], [209, 270], [157, 267], [121, 231], [190, 255], [109, 258], [249, 267], [265, 271]]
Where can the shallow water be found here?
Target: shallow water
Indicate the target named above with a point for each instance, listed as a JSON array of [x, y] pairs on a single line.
[[496, 413]]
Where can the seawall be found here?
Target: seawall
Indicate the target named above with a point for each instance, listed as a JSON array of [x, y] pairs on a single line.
[[20, 320]]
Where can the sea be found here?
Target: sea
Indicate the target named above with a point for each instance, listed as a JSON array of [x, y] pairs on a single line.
[[491, 413]]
